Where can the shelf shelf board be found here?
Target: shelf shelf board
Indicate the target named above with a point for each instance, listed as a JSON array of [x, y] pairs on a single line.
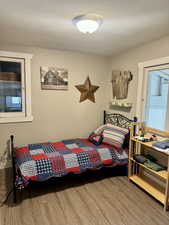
[[148, 188], [162, 174], [149, 145]]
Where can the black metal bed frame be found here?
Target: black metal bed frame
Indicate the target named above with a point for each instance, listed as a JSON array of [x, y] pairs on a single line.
[[118, 119], [113, 118]]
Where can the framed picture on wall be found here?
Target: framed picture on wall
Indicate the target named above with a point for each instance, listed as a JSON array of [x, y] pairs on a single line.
[[53, 78]]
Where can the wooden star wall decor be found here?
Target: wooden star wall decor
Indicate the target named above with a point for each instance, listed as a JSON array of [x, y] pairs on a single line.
[[87, 90]]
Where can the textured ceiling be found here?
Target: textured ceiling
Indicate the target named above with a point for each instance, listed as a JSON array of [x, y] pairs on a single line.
[[48, 23]]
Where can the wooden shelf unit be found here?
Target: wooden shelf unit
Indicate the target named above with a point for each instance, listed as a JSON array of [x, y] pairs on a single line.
[[136, 172]]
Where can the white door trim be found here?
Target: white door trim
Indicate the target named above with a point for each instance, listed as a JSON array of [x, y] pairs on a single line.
[[141, 72]]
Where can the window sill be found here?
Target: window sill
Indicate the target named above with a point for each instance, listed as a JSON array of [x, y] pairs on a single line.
[[16, 120]]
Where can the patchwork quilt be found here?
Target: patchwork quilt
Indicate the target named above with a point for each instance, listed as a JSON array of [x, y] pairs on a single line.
[[38, 162]]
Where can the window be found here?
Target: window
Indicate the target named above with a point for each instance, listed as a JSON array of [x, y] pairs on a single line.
[[15, 87], [156, 104], [153, 93]]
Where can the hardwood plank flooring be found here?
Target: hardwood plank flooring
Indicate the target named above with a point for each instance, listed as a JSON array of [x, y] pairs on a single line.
[[84, 200]]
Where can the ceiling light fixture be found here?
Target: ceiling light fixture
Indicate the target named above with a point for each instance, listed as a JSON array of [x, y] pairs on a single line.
[[88, 23]]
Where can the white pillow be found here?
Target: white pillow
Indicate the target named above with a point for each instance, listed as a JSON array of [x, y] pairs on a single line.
[[114, 135], [100, 129]]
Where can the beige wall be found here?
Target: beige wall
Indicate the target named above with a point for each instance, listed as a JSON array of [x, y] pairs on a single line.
[[130, 59], [58, 114]]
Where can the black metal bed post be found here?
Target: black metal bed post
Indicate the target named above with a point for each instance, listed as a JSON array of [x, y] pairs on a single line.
[[13, 167], [135, 121], [104, 120]]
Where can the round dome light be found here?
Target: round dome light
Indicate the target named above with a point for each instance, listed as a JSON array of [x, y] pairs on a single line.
[[88, 23]]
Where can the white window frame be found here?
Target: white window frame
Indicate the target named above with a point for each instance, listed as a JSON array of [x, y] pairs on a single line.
[[26, 114], [142, 78]]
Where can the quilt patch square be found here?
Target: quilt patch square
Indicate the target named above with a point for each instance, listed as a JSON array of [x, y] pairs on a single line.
[[58, 163], [105, 155], [94, 157], [39, 156], [53, 154], [24, 158], [63, 152], [44, 176], [22, 152], [57, 144], [36, 151], [71, 160], [69, 141], [34, 178], [77, 150], [71, 146], [104, 145], [114, 156], [88, 143], [80, 142], [35, 146], [89, 148], [120, 156], [60, 148], [22, 149], [28, 169], [47, 148], [83, 159], [60, 173], [43, 166]]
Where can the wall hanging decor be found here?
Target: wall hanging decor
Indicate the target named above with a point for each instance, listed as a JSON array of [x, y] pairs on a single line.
[[120, 83], [87, 90], [53, 78], [121, 105]]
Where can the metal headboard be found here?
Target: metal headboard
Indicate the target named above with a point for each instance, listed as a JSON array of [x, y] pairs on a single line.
[[118, 119]]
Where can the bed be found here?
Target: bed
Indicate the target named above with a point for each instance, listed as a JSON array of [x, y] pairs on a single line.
[[42, 161]]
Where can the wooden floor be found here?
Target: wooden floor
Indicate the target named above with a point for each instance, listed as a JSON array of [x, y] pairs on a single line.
[[84, 200]]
